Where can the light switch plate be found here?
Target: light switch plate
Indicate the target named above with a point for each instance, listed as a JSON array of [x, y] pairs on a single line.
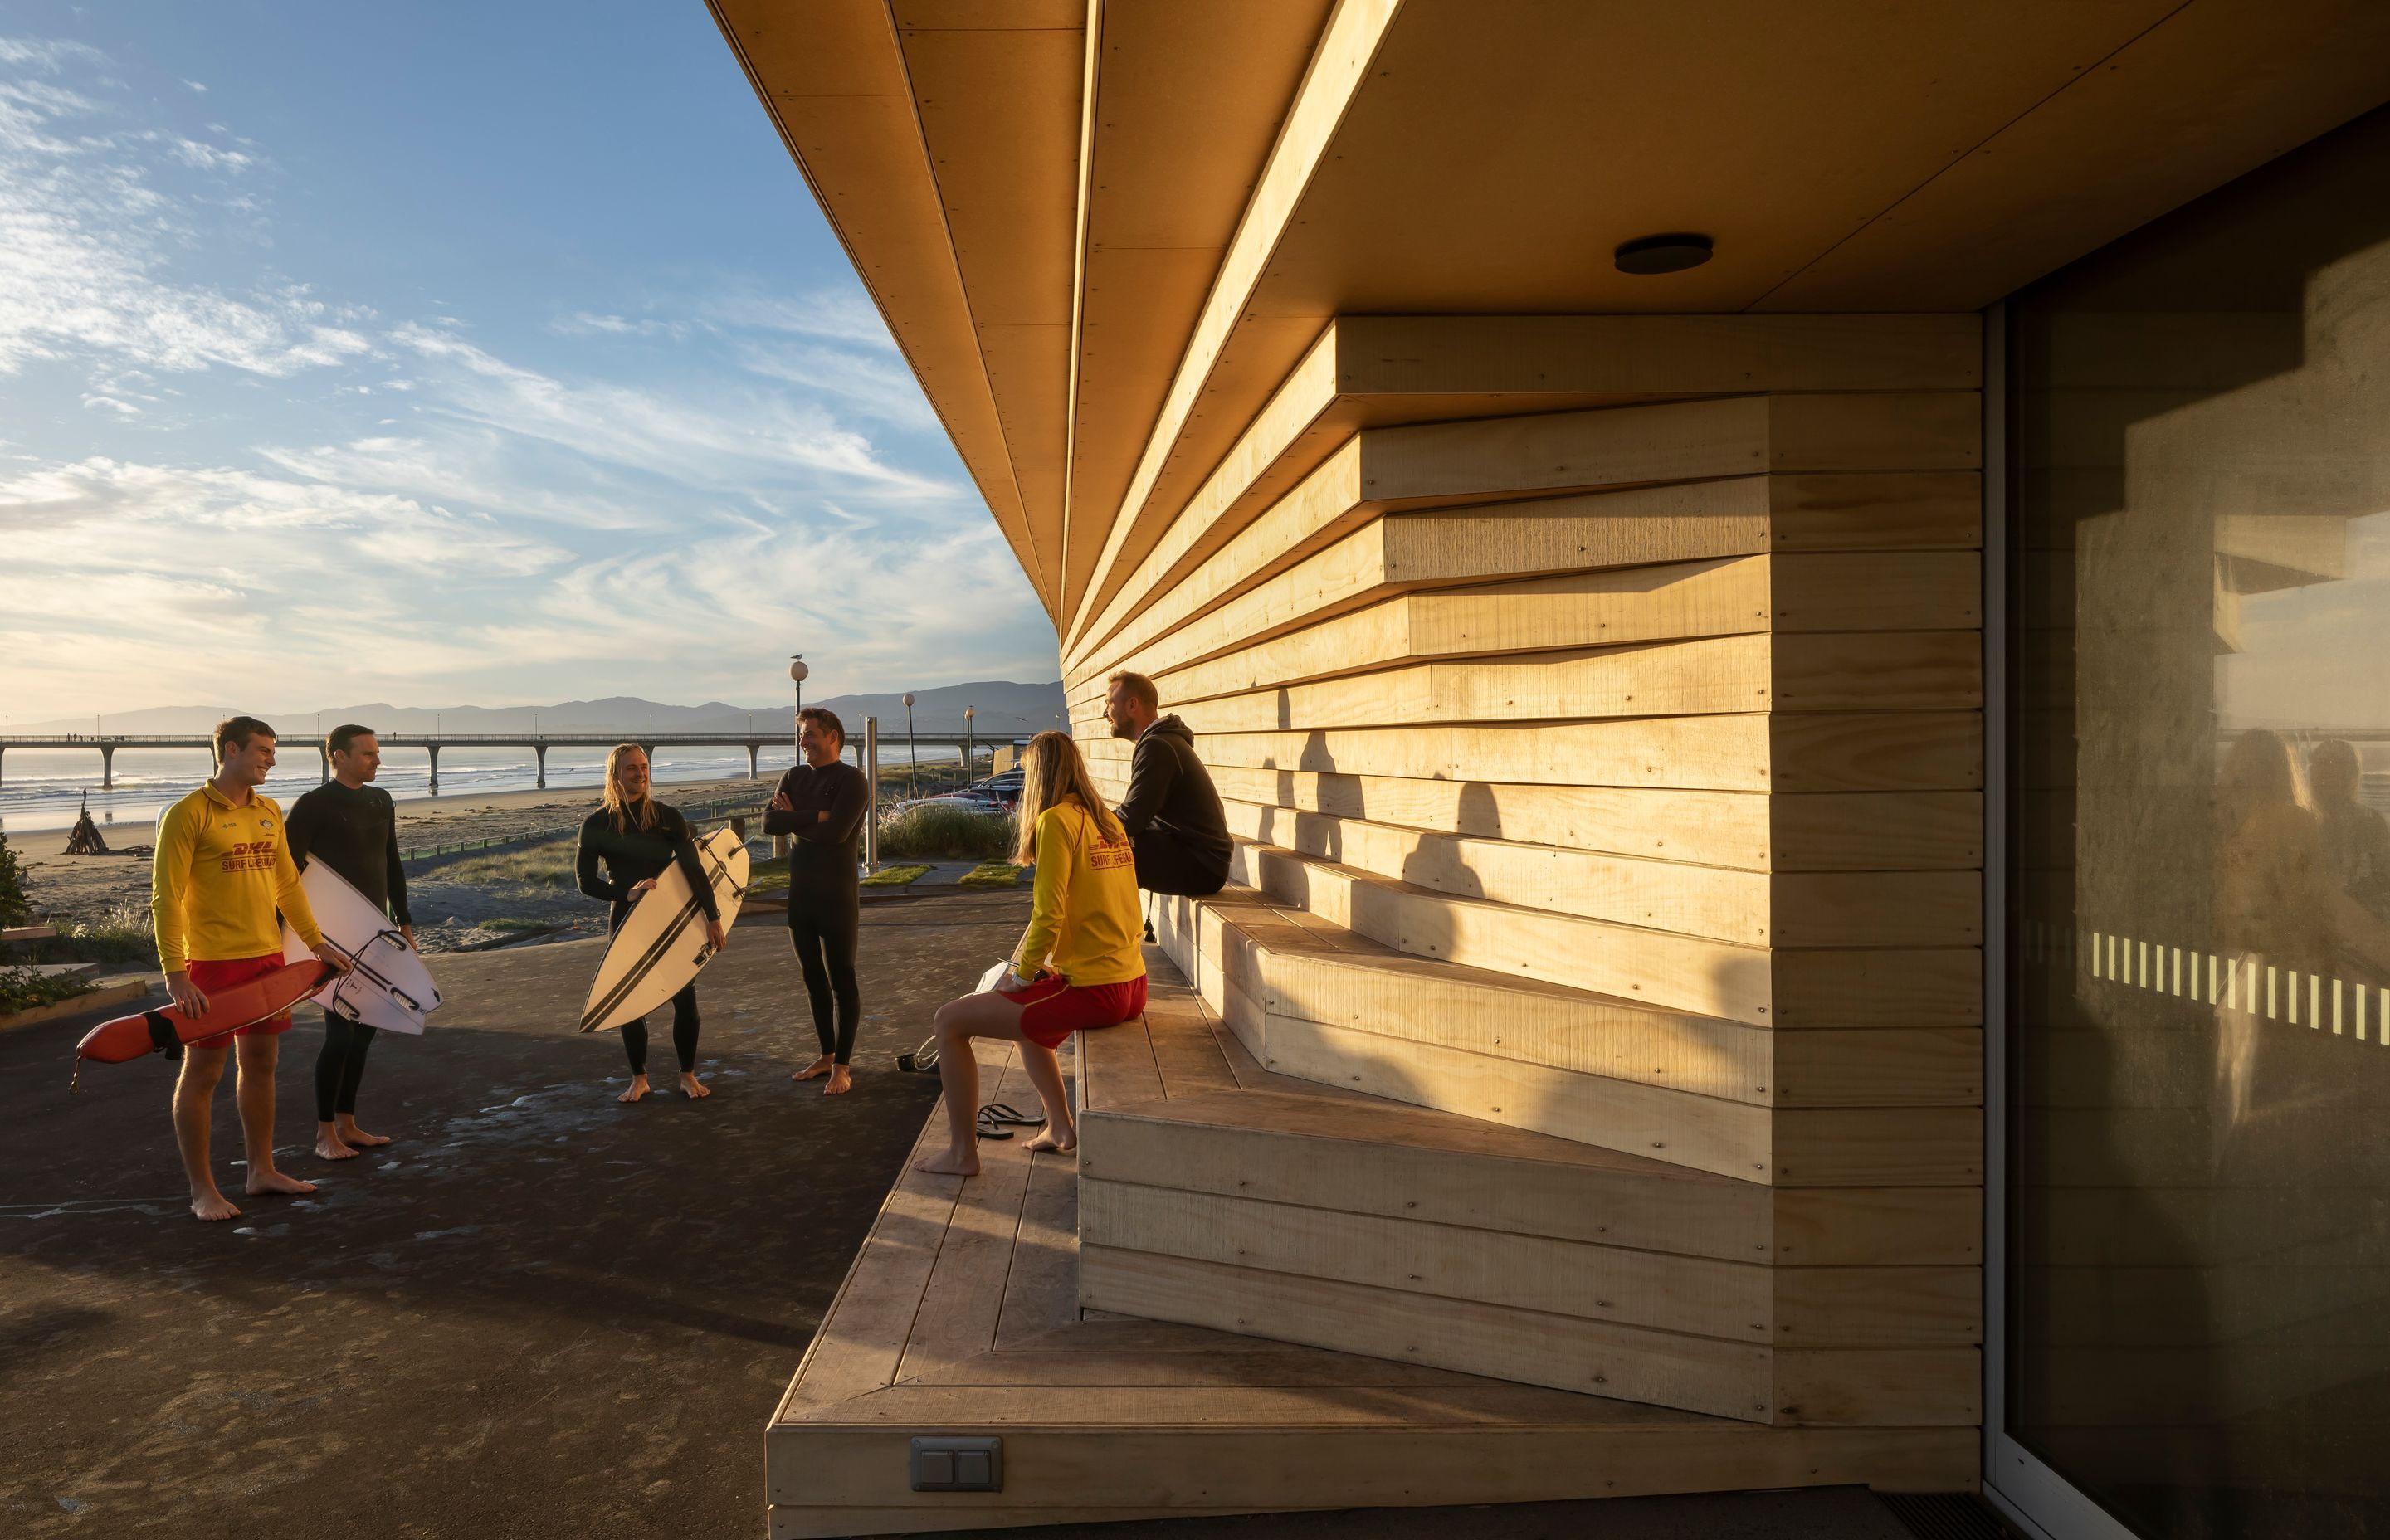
[[957, 1464]]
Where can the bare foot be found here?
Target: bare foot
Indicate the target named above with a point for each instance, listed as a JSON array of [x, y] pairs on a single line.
[[693, 1088], [213, 1204], [636, 1091], [1047, 1142], [271, 1180], [842, 1081], [332, 1147], [815, 1069], [950, 1164], [352, 1134]]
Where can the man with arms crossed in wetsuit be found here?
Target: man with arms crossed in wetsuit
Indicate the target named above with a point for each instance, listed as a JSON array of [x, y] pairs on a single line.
[[352, 827], [223, 866], [821, 803], [1172, 813]]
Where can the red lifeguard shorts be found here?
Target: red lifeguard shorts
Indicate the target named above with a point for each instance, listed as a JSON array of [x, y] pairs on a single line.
[[1053, 1008], [212, 976]]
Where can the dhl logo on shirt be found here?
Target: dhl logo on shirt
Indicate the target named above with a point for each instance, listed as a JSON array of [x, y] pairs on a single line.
[[249, 855]]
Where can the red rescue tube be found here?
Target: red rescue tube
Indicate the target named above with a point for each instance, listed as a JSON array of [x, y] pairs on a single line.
[[149, 1032]]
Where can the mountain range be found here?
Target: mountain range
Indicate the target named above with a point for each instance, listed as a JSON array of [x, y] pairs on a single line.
[[1005, 710]]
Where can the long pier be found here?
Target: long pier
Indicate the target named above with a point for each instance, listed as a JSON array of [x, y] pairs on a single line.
[[539, 743]]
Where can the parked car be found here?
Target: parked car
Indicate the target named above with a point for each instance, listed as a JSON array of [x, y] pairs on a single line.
[[970, 799]]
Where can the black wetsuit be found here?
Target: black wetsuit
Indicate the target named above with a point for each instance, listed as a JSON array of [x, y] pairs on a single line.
[[356, 833], [1172, 814], [631, 859], [825, 908]]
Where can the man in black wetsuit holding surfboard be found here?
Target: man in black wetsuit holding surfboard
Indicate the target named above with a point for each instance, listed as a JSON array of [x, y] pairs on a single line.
[[821, 805], [637, 838], [352, 827]]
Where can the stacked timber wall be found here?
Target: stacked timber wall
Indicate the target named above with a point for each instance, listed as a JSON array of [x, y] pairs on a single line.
[[1605, 761]]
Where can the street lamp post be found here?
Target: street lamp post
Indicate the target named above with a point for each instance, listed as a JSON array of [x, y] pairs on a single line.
[[912, 761], [797, 672], [971, 748]]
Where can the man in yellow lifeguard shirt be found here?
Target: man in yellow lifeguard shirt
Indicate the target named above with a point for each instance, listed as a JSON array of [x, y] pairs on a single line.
[[222, 871]]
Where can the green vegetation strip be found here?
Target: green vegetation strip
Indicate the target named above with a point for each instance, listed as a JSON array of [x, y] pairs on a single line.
[[896, 877], [992, 874], [947, 829], [22, 989]]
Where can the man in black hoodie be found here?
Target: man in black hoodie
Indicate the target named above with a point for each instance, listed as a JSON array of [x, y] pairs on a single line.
[[1172, 813]]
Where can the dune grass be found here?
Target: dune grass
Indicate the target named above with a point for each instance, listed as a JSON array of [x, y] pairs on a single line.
[[122, 935], [946, 830], [547, 865]]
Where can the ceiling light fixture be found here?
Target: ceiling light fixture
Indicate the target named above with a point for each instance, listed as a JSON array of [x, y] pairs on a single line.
[[1663, 254]]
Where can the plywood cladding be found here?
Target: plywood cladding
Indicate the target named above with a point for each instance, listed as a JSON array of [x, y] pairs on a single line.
[[1608, 773]]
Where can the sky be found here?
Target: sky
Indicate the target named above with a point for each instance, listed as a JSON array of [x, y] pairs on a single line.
[[449, 354]]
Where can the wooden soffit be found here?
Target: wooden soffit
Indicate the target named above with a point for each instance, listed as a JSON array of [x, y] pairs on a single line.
[[1242, 172], [941, 138]]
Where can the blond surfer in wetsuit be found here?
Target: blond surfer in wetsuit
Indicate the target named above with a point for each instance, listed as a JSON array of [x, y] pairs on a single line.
[[223, 867], [635, 838]]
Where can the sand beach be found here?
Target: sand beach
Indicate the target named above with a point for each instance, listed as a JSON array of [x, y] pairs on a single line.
[[459, 899]]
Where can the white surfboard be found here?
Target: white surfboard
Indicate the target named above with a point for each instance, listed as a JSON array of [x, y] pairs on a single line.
[[389, 986], [663, 943]]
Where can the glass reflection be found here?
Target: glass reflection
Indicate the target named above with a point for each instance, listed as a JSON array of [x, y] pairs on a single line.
[[2199, 1272]]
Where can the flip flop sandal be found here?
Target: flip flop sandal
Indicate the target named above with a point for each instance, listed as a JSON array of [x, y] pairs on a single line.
[[997, 1121]]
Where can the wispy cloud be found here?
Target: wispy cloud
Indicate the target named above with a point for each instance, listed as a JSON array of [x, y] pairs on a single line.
[[334, 493], [87, 239]]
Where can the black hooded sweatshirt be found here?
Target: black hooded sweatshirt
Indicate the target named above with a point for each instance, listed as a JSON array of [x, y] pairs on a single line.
[[1170, 791]]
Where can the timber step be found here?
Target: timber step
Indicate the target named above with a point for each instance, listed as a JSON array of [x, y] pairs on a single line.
[[961, 1317], [1864, 987], [1309, 999], [1215, 1193]]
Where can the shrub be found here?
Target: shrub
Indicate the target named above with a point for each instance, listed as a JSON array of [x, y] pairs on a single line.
[[15, 908], [949, 829], [22, 989]]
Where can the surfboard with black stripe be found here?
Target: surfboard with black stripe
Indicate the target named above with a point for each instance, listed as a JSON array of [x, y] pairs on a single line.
[[663, 944]]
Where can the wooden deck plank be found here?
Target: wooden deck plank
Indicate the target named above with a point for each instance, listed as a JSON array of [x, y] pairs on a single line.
[[1041, 1290], [1183, 1049], [1390, 1464], [787, 1522], [1117, 1064], [1480, 1405], [1230, 1367], [860, 1343], [965, 1291]]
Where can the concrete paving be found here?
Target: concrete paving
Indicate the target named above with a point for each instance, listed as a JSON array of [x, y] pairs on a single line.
[[539, 1313]]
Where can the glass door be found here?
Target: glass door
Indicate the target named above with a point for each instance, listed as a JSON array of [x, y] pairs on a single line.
[[2195, 1279]]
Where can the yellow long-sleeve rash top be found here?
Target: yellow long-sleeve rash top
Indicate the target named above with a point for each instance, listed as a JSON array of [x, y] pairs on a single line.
[[219, 874], [1083, 920]]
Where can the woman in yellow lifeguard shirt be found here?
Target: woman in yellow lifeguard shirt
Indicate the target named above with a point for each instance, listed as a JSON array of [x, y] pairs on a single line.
[[1078, 966]]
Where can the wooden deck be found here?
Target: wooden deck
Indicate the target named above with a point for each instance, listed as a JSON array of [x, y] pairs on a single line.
[[961, 1315]]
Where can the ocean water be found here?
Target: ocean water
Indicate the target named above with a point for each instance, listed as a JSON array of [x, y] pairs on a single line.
[[43, 788]]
